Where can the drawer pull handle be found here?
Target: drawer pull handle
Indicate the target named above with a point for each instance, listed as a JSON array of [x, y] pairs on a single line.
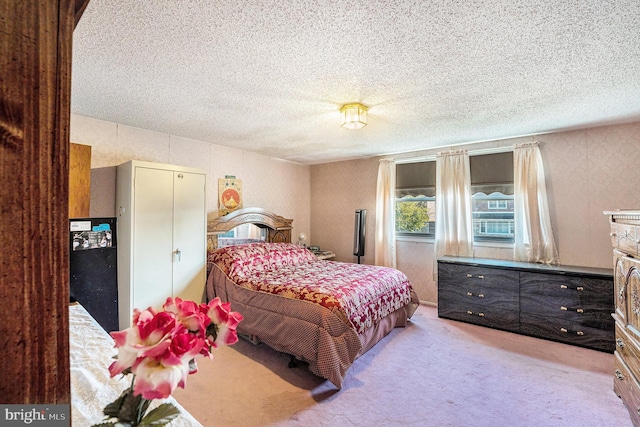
[[577, 310], [612, 234], [619, 375], [577, 288], [620, 343], [470, 294], [479, 276], [469, 312], [565, 330]]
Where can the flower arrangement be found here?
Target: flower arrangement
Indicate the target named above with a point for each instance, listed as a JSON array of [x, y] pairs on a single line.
[[159, 349]]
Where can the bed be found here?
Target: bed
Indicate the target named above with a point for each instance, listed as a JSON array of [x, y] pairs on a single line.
[[325, 313]]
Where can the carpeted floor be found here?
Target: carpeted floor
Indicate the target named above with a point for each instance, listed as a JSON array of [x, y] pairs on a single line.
[[434, 372]]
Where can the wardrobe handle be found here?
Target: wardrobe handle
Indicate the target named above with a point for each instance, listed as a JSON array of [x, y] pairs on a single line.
[[178, 254]]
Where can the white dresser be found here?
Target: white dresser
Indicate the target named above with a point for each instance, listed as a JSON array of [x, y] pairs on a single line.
[[161, 212], [625, 238]]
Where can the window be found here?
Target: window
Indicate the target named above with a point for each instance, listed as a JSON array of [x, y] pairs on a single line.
[[497, 204], [416, 198], [491, 190], [492, 197]]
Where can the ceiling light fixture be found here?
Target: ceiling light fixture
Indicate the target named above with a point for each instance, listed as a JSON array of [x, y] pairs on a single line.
[[354, 116]]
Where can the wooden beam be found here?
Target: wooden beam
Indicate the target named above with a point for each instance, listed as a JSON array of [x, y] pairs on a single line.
[[35, 86]]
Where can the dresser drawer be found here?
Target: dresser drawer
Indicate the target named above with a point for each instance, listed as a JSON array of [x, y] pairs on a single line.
[[631, 289], [585, 314], [476, 277], [480, 315], [625, 238], [627, 388], [628, 349], [600, 337], [479, 295], [594, 312], [574, 289]]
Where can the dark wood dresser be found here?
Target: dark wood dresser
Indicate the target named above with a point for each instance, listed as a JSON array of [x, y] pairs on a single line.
[[625, 239], [568, 304]]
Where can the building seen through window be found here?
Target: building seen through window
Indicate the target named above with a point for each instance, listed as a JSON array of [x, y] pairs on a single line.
[[492, 198]]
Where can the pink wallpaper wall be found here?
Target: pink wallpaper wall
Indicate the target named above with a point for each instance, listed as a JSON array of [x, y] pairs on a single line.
[[587, 171], [269, 183]]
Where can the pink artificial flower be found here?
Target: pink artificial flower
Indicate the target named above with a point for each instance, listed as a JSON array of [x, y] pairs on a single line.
[[188, 313], [153, 380], [184, 347], [160, 347], [126, 342], [150, 336], [224, 320]]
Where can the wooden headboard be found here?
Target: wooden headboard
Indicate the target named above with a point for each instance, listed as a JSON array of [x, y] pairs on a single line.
[[278, 227]]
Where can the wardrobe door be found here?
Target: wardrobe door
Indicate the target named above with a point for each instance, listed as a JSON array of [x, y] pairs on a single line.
[[152, 237], [189, 235]]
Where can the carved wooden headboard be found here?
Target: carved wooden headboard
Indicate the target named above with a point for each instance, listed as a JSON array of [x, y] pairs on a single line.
[[278, 228]]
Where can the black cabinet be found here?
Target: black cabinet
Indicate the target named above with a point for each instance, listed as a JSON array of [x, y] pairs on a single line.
[[561, 303], [93, 272], [487, 297]]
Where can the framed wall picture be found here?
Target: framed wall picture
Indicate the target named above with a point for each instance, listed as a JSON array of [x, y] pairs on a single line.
[[229, 194]]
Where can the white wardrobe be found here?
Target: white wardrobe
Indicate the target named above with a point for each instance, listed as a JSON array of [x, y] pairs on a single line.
[[161, 235]]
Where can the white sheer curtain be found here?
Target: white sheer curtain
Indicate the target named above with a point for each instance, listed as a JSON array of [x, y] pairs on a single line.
[[385, 236], [534, 241], [454, 225]]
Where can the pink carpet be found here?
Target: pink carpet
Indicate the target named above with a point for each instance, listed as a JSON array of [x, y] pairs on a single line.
[[434, 372]]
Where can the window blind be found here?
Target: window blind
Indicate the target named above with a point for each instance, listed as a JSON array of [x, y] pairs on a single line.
[[491, 173], [416, 179]]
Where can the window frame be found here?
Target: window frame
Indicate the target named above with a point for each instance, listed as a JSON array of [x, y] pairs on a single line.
[[490, 242]]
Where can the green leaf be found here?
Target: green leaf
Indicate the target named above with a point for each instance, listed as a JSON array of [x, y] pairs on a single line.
[[113, 408], [129, 408], [160, 416]]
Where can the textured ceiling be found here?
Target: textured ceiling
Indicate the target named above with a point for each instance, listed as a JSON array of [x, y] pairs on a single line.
[[270, 76]]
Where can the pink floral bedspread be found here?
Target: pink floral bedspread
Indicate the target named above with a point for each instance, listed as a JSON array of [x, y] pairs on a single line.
[[358, 294]]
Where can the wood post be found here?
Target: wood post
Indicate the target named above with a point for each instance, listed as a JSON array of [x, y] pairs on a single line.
[[35, 86]]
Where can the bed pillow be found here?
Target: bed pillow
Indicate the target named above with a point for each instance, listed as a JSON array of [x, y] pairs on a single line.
[[243, 260]]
